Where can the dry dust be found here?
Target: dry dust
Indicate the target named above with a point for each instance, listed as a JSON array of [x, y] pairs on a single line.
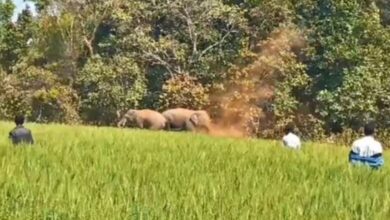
[[253, 84]]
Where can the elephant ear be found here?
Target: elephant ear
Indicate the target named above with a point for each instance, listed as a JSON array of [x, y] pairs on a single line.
[[194, 119], [131, 113]]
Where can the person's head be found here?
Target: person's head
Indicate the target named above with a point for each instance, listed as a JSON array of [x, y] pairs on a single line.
[[19, 119], [289, 128], [369, 129]]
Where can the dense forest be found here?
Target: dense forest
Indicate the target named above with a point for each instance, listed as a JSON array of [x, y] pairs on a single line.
[[260, 64]]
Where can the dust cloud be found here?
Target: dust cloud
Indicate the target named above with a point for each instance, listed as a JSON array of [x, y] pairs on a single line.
[[253, 85]]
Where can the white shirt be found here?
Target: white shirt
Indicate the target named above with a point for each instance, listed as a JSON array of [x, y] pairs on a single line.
[[367, 146], [292, 141]]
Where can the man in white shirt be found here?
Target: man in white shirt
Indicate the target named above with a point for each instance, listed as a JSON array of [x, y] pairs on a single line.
[[291, 140], [367, 150]]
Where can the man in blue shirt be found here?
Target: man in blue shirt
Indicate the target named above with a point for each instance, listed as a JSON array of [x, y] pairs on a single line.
[[20, 134]]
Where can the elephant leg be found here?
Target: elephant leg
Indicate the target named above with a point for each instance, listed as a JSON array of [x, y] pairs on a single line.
[[156, 126], [205, 129], [167, 126], [140, 123], [189, 126], [176, 128]]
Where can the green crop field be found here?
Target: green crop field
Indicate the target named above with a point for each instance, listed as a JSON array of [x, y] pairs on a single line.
[[108, 173]]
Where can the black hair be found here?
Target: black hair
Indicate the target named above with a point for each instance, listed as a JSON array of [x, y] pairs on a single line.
[[289, 128], [19, 119], [369, 128]]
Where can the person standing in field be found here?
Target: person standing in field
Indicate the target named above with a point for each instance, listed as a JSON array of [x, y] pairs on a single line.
[[20, 134], [290, 139], [367, 150]]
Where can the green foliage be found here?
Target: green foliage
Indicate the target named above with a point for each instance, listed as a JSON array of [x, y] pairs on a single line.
[[265, 16], [6, 11], [183, 91], [195, 37], [384, 7], [293, 81], [108, 85], [12, 99], [40, 95], [50, 100], [290, 104], [347, 62], [14, 37]]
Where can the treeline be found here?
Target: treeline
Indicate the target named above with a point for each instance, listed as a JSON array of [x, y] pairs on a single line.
[[322, 64]]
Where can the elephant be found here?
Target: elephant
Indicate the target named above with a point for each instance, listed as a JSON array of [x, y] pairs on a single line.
[[144, 118], [186, 119], [199, 121]]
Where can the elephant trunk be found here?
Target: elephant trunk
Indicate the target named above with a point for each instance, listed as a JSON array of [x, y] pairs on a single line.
[[122, 123]]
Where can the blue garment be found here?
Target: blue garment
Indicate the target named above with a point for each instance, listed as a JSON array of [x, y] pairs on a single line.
[[21, 135], [375, 161]]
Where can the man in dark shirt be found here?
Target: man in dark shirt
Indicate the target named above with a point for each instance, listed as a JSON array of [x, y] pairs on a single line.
[[20, 134]]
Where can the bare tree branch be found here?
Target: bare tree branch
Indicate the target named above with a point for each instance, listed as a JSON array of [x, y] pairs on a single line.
[[160, 61], [96, 20], [89, 46], [215, 44], [191, 31]]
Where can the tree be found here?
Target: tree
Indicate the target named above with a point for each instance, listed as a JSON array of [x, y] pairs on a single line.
[[384, 7], [6, 31], [108, 85], [70, 33], [6, 11], [196, 37], [15, 38], [346, 61]]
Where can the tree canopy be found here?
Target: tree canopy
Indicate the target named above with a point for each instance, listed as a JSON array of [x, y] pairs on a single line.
[[321, 64]]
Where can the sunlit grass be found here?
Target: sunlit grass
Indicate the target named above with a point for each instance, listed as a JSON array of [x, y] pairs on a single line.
[[108, 173]]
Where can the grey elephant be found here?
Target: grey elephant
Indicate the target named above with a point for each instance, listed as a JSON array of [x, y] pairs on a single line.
[[144, 118], [186, 119], [199, 121]]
